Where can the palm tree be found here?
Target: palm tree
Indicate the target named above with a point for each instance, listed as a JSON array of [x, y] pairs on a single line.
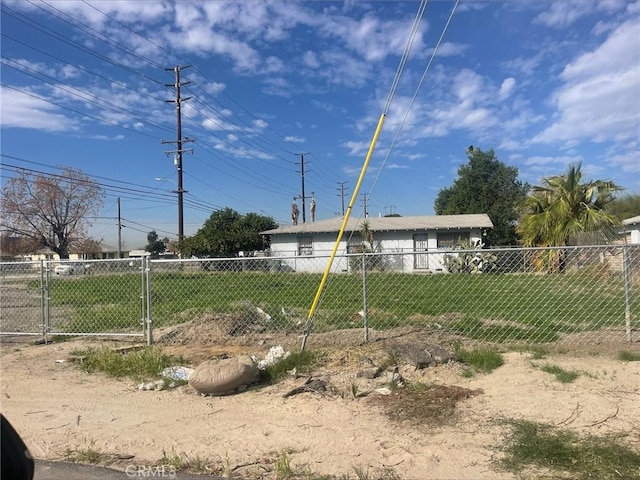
[[563, 207]]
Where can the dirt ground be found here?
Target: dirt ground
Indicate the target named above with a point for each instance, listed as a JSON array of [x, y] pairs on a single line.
[[56, 408]]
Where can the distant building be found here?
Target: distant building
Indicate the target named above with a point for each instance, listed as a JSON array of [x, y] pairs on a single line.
[[632, 230], [418, 235]]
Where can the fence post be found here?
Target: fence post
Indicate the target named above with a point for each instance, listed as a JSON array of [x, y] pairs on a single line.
[[44, 301], [626, 268], [143, 298], [147, 270], [365, 315]]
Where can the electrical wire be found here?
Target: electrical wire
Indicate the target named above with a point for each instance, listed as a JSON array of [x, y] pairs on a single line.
[[413, 98]]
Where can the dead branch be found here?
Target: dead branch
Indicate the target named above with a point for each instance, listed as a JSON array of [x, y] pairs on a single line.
[[571, 418], [609, 417]]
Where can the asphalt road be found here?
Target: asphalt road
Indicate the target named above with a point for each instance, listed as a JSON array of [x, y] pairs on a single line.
[[46, 470]]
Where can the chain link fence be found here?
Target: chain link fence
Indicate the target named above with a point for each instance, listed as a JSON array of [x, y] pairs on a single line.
[[579, 295], [100, 297]]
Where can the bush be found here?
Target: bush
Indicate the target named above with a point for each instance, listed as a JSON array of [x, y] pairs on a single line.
[[470, 259]]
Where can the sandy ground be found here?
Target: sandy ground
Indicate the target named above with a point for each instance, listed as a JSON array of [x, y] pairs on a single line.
[[56, 408]]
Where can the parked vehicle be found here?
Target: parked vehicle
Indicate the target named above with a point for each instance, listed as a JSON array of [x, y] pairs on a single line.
[[70, 269]]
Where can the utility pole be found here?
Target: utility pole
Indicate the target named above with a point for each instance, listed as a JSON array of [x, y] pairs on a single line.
[[179, 142], [364, 202], [302, 172], [342, 193], [119, 231], [390, 209]]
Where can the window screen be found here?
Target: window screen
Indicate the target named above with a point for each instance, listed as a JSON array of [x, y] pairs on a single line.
[[449, 240], [305, 245]]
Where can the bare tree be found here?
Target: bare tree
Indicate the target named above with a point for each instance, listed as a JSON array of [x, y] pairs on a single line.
[[14, 246], [54, 210]]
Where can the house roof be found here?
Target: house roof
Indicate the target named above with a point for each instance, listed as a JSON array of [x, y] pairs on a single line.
[[390, 224], [632, 220]]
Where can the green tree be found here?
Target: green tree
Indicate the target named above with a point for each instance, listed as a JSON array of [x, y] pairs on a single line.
[[626, 206], [226, 232], [563, 207], [51, 210], [486, 185], [154, 246]]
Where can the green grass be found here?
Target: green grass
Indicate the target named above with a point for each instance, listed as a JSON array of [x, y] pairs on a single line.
[[563, 452], [520, 307], [88, 454], [303, 361], [483, 360], [143, 364], [562, 375], [627, 356], [537, 352]]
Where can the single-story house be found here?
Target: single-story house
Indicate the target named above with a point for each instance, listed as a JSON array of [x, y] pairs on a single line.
[[311, 243], [105, 252], [632, 230]]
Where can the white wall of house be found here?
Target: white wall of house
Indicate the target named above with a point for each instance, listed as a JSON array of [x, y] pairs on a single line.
[[391, 242], [632, 229]]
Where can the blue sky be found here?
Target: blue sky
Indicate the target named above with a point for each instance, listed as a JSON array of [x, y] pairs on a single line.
[[545, 84]]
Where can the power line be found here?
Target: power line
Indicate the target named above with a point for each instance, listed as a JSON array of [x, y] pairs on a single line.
[[47, 31]]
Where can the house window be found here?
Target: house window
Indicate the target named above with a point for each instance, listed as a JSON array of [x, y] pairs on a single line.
[[355, 244], [305, 246], [449, 240]]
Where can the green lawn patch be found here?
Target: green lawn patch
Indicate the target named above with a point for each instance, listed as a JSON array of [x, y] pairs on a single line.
[[142, 364], [562, 375], [483, 360], [509, 308], [627, 356], [568, 455]]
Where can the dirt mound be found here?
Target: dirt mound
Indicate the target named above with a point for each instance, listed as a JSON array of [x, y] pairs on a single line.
[[207, 329]]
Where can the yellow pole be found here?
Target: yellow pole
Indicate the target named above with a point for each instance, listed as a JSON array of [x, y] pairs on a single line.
[[347, 214]]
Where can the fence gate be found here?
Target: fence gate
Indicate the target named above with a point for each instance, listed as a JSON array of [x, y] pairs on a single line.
[[21, 298], [97, 298]]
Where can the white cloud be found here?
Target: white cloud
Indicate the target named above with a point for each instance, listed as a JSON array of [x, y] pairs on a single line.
[[543, 161], [506, 88], [564, 13], [310, 59], [293, 139], [601, 95], [278, 86], [19, 109], [214, 87], [396, 166], [356, 148], [448, 49], [372, 38]]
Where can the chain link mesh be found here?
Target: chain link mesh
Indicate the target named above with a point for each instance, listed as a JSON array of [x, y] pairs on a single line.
[[566, 295]]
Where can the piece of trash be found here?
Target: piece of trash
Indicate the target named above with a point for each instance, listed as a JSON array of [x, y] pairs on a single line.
[[60, 361], [177, 373], [157, 385], [383, 391], [274, 355]]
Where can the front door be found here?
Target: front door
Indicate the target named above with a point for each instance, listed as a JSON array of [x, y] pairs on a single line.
[[420, 260]]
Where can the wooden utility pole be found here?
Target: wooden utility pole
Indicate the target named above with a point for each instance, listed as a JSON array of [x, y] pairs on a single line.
[[302, 172], [341, 194], [119, 231], [364, 202], [179, 142]]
